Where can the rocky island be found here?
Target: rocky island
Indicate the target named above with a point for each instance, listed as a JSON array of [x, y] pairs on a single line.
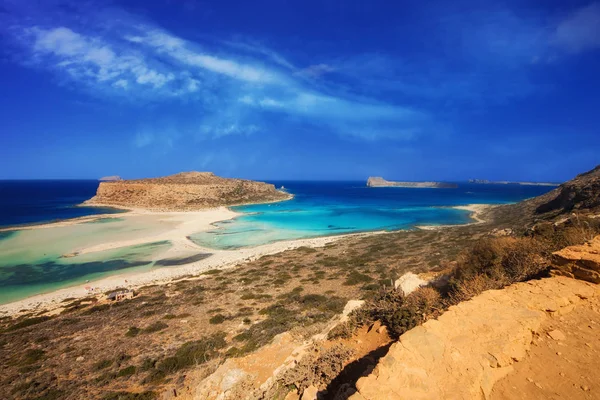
[[377, 181], [488, 182], [186, 191]]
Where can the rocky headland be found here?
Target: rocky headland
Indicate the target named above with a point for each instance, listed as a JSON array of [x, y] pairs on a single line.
[[186, 191], [377, 181]]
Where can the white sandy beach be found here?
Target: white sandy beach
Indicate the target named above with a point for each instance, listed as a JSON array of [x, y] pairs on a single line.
[[475, 209], [180, 226]]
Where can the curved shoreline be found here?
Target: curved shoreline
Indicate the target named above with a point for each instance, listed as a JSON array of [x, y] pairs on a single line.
[[219, 259], [181, 247], [476, 210], [127, 211]]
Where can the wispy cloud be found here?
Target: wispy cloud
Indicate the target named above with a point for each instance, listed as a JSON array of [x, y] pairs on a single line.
[[182, 51], [96, 62], [580, 30], [316, 70], [239, 85]]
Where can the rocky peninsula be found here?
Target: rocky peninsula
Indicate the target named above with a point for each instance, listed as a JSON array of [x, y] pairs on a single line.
[[186, 191], [377, 181]]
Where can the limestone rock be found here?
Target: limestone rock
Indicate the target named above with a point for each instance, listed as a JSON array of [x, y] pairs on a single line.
[[472, 345], [185, 191], [557, 335], [310, 393], [408, 283], [581, 262]]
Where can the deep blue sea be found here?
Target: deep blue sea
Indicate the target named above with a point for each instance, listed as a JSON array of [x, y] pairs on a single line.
[[35, 201], [328, 207], [32, 261]]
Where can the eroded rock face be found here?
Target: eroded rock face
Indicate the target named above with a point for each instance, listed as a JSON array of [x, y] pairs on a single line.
[[186, 191], [583, 193], [471, 346], [581, 262]]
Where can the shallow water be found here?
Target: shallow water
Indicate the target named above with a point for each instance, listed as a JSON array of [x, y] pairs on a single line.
[[32, 262], [329, 208], [18, 281]]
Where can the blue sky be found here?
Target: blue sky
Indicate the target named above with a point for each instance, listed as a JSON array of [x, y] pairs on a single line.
[[300, 89]]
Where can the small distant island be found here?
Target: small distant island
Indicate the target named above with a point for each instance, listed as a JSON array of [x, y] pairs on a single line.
[[487, 182], [186, 191], [377, 181]]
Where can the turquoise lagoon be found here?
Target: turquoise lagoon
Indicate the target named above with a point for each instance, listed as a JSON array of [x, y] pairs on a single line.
[[32, 262], [332, 208]]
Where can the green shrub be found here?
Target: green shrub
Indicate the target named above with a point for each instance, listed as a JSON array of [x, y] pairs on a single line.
[[127, 371], [95, 309], [102, 364], [193, 353], [133, 331], [155, 327], [32, 356], [217, 319], [27, 322], [355, 278]]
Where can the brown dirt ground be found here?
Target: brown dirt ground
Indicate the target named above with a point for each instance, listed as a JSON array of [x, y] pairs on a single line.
[[168, 316], [567, 368]]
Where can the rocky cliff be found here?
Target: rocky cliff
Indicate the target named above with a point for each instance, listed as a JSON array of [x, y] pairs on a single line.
[[580, 195], [462, 354], [583, 192], [186, 191], [377, 181]]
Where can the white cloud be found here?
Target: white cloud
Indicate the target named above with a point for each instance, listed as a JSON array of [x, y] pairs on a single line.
[[121, 83], [580, 31], [86, 57], [153, 62], [180, 51], [317, 70], [221, 130]]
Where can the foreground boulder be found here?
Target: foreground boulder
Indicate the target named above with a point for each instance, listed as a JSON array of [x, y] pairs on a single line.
[[581, 262], [473, 345]]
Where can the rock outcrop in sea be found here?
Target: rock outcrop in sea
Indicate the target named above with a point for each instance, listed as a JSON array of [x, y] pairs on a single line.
[[377, 181], [186, 191]]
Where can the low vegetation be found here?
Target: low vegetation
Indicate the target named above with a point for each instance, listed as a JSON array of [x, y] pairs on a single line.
[[140, 348], [489, 263]]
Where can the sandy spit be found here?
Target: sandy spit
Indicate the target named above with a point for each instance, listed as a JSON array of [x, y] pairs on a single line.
[[475, 209], [185, 223]]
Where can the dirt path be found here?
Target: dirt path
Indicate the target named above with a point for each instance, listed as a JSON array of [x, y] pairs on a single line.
[[563, 361]]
